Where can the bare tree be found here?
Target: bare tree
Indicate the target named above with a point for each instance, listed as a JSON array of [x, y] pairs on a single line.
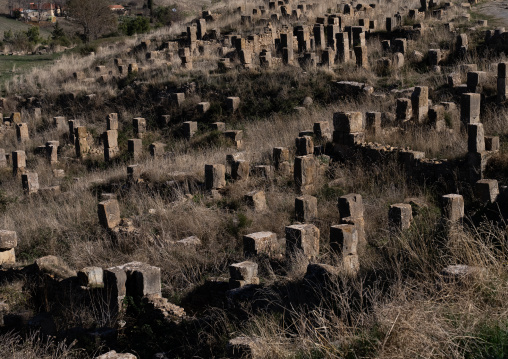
[[94, 16]]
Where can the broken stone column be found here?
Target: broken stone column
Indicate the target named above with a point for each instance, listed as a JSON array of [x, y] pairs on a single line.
[[400, 216], [109, 214], [302, 237], [139, 125], [486, 190], [305, 173], [110, 140], [135, 148], [22, 132], [306, 208], [256, 200], [30, 182], [258, 243], [286, 43], [18, 163], [242, 274], [215, 176], [351, 211], [453, 207], [420, 103], [304, 146], [319, 37], [201, 29], [8, 241]]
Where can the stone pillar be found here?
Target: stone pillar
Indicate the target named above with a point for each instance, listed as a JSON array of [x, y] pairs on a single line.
[[305, 173], [30, 182], [373, 123], [306, 208], [232, 103], [403, 111], [319, 36], [110, 140], [3, 158], [281, 160], [344, 241], [502, 82], [304, 146], [351, 212], [400, 216], [215, 177], [420, 103], [81, 141], [72, 127], [109, 214], [475, 138], [18, 163], [201, 29], [133, 173], [322, 130], [112, 121], [362, 59], [135, 148], [286, 41], [256, 200], [157, 149], [22, 132], [342, 44], [453, 207], [304, 238], [189, 129], [139, 125]]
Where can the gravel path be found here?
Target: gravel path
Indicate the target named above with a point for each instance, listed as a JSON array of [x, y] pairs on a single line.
[[497, 9]]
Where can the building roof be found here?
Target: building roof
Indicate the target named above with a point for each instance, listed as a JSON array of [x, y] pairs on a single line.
[[43, 6], [116, 7]]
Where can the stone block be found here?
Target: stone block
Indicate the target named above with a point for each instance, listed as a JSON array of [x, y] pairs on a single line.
[[344, 239], [215, 176], [8, 239], [178, 98], [7, 257], [244, 271], [491, 143], [142, 279], [110, 139], [305, 173], [303, 237], [486, 190], [189, 129], [475, 138], [240, 170], [91, 277], [133, 173], [306, 208], [232, 103], [259, 243], [112, 121], [30, 182], [157, 149], [135, 148], [256, 200], [453, 207], [139, 125], [109, 213], [304, 146], [420, 102], [322, 130], [203, 107], [115, 280], [470, 108], [348, 122], [350, 205], [400, 216]]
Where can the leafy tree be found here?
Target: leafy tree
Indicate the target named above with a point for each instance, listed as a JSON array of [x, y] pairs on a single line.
[[33, 35], [136, 25], [167, 15], [94, 16]]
